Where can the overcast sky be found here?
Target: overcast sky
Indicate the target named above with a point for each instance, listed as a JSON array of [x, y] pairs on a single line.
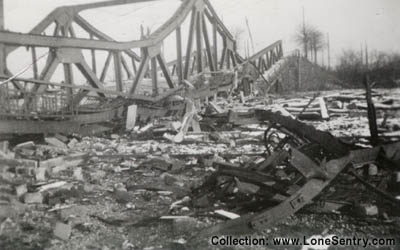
[[349, 23]]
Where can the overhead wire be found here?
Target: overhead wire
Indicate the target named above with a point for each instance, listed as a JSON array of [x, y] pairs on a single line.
[[23, 70]]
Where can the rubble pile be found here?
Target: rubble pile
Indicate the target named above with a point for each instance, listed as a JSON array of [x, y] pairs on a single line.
[[257, 165]]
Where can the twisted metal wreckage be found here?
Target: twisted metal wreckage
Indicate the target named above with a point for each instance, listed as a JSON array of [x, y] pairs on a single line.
[[29, 106], [311, 157]]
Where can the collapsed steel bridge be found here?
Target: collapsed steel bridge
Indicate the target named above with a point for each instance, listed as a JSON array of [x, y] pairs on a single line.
[[26, 101]]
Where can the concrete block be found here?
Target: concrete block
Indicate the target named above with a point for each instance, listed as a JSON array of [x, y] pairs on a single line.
[[55, 142], [40, 174], [78, 175], [33, 198], [21, 190], [131, 117], [62, 231]]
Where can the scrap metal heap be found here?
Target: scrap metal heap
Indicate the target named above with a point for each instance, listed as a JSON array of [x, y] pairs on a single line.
[[299, 163], [256, 181]]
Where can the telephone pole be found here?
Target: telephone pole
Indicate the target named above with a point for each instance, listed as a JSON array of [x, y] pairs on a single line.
[[366, 56], [305, 39], [362, 54], [251, 36], [329, 51]]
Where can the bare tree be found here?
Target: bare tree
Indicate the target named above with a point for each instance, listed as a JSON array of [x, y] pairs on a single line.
[[310, 39], [302, 38], [316, 41]]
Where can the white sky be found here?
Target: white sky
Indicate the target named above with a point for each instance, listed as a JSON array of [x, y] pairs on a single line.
[[350, 23]]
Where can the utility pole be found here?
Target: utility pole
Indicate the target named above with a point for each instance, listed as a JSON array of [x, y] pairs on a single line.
[[362, 54], [2, 47], [366, 56], [251, 37], [305, 39], [373, 127], [329, 52], [247, 49], [298, 69]]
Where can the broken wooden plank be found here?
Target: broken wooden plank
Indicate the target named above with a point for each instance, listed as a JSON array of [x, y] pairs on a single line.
[[323, 109], [215, 106], [227, 214]]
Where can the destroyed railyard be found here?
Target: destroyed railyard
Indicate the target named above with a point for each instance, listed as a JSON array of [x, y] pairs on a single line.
[[170, 153]]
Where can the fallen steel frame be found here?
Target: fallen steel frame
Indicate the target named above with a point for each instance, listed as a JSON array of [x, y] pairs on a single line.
[[317, 176], [65, 47]]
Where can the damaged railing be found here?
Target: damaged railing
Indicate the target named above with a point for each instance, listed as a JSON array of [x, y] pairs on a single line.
[[48, 104]]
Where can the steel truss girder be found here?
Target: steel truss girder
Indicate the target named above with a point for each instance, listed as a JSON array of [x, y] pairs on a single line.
[[64, 38]]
